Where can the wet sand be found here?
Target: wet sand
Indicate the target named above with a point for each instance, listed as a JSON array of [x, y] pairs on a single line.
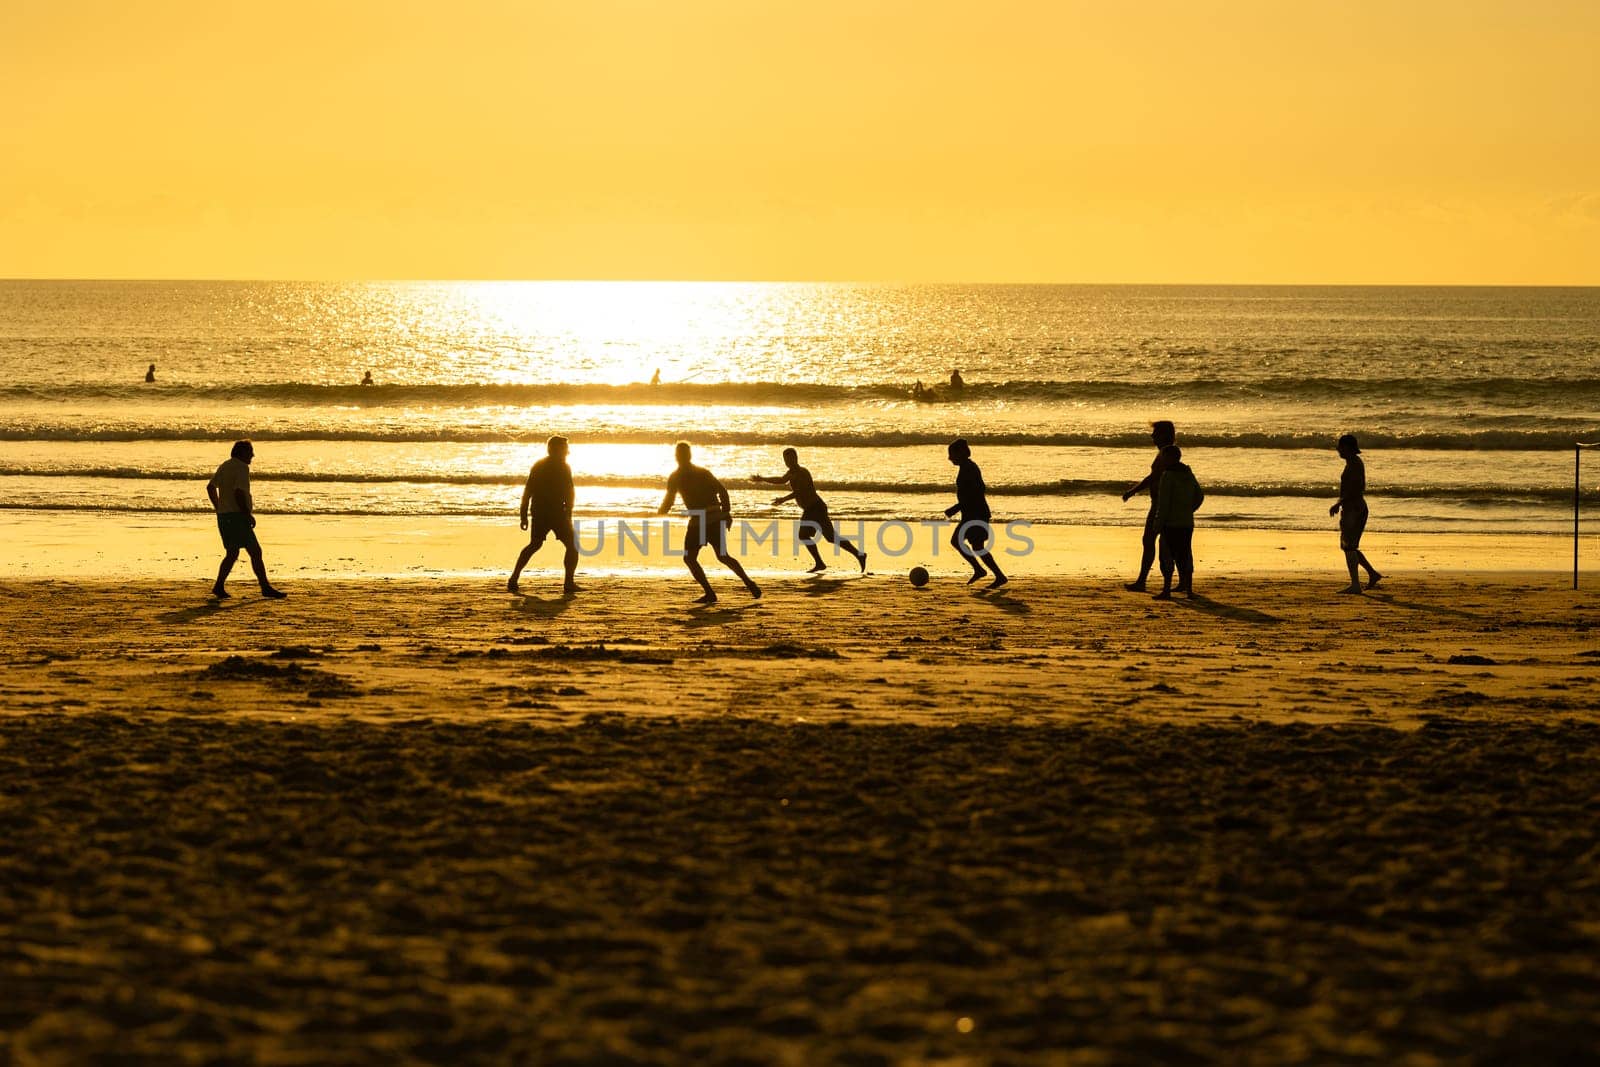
[[406, 821]]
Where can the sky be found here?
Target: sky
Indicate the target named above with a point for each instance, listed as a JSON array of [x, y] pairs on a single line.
[[1247, 142]]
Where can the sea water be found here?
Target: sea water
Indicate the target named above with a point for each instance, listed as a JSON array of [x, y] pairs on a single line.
[[1466, 401]]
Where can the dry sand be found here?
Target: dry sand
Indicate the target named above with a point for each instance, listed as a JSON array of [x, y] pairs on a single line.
[[406, 821]]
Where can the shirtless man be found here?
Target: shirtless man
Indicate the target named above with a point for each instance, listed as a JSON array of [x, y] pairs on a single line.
[[1351, 507], [707, 502], [229, 490], [1163, 434], [548, 496], [814, 520]]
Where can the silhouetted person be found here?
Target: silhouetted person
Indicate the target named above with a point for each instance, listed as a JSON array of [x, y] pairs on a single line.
[[972, 504], [707, 502], [366, 379], [1163, 434], [547, 503], [1177, 497], [918, 390], [150, 375], [957, 383], [229, 490], [655, 379], [814, 519], [1351, 507]]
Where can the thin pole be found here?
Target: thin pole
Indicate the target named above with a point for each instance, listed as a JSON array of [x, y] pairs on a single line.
[[1577, 456]]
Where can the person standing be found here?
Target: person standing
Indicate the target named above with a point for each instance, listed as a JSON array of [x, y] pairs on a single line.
[[1351, 507], [229, 490], [547, 503], [707, 501], [1177, 497], [1163, 434], [150, 375], [971, 535], [814, 519]]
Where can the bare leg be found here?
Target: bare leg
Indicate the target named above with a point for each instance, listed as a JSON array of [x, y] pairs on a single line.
[[522, 561], [259, 565], [1147, 558], [733, 565], [692, 561], [819, 565], [972, 560], [861, 557], [999, 577], [228, 560], [569, 563], [1373, 577], [1351, 561]]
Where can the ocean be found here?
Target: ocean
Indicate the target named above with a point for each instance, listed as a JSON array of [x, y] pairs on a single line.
[[1466, 401]]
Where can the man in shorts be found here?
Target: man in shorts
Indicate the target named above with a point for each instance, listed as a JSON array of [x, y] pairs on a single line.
[[1351, 507], [814, 520], [229, 490], [971, 534], [707, 502], [547, 502]]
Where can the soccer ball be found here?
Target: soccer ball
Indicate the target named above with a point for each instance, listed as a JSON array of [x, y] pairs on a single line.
[[919, 576]]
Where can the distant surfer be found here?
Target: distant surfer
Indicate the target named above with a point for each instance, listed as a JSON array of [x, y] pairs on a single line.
[[707, 501], [814, 519], [957, 383], [229, 490], [150, 375], [971, 534], [1163, 434], [366, 379], [655, 379], [1351, 507], [547, 505]]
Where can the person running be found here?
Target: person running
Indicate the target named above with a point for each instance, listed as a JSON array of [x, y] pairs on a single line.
[[547, 502], [229, 490], [1351, 507], [707, 503], [1177, 497], [971, 534], [1163, 434], [814, 520]]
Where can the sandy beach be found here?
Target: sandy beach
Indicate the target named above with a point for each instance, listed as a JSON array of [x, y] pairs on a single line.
[[427, 821]]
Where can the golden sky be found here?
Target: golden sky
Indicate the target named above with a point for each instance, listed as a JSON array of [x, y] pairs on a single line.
[[925, 140]]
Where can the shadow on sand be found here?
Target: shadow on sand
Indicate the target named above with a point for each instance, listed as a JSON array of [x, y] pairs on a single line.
[[203, 611], [1002, 599], [1229, 611], [542, 607], [718, 614], [1427, 609], [819, 586]]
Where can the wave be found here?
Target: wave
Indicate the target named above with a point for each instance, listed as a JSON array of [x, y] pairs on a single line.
[[1464, 494], [1543, 439], [1500, 390]]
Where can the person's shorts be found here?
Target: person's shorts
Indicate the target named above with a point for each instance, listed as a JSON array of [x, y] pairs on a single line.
[[539, 529], [236, 531], [1352, 524], [707, 528], [815, 525], [975, 532]]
